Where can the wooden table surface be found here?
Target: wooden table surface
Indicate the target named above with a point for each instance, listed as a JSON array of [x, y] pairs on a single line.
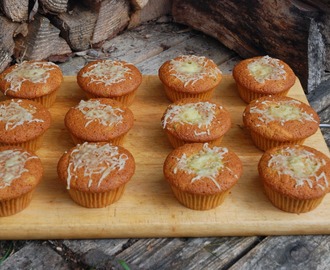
[[148, 46]]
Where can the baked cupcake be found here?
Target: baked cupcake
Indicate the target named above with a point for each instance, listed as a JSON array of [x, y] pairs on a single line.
[[23, 123], [110, 79], [35, 80], [20, 173], [95, 174], [189, 76], [274, 121], [193, 120], [99, 120], [262, 76], [295, 178], [201, 176]]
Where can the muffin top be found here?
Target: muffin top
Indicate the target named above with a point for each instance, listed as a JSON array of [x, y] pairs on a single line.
[[281, 118], [22, 120], [99, 119], [264, 74], [108, 78], [96, 167], [30, 79], [297, 171], [198, 168], [20, 172], [194, 120], [190, 73]]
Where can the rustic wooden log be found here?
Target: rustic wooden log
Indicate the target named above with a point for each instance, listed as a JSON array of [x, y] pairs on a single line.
[[8, 31], [76, 27], [139, 4], [152, 10], [54, 6], [16, 10], [281, 29], [41, 42], [112, 17]]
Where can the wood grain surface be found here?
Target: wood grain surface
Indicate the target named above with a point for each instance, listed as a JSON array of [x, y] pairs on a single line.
[[148, 208]]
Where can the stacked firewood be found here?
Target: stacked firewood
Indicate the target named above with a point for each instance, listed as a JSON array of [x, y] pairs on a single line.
[[54, 29]]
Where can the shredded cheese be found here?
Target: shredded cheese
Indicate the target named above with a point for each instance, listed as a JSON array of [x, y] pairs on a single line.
[[15, 115], [12, 165], [107, 72], [95, 111], [301, 165], [282, 111], [266, 68], [207, 163], [95, 160], [190, 68], [35, 72]]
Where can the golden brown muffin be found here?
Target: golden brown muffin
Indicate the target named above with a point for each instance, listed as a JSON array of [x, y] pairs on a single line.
[[23, 123], [193, 120], [99, 120], [20, 173], [34, 80], [274, 121], [110, 79], [95, 174], [295, 178], [263, 75], [200, 175], [189, 76]]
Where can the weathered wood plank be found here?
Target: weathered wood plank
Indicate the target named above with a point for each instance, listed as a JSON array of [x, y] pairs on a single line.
[[288, 252], [16, 10], [41, 42], [280, 28], [112, 17], [54, 6]]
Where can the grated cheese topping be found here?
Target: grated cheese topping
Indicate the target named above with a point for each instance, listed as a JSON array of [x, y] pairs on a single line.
[[12, 165], [207, 163], [14, 115], [107, 72], [266, 68], [199, 113], [301, 165], [35, 72], [190, 68], [95, 111], [282, 111], [94, 159]]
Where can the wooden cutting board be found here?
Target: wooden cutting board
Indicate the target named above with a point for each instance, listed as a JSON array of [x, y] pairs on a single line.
[[148, 208]]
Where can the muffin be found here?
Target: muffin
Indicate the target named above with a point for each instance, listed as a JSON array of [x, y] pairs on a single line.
[[295, 178], [201, 176], [110, 79], [23, 123], [20, 173], [261, 76], [35, 80], [274, 121], [193, 120], [189, 76], [99, 120], [95, 174]]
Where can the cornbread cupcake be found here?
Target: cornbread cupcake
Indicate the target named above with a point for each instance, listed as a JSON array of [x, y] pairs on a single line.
[[99, 120], [193, 120], [274, 121], [201, 176], [261, 76], [95, 174], [189, 76], [20, 173], [110, 79], [35, 80], [295, 178], [23, 123]]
